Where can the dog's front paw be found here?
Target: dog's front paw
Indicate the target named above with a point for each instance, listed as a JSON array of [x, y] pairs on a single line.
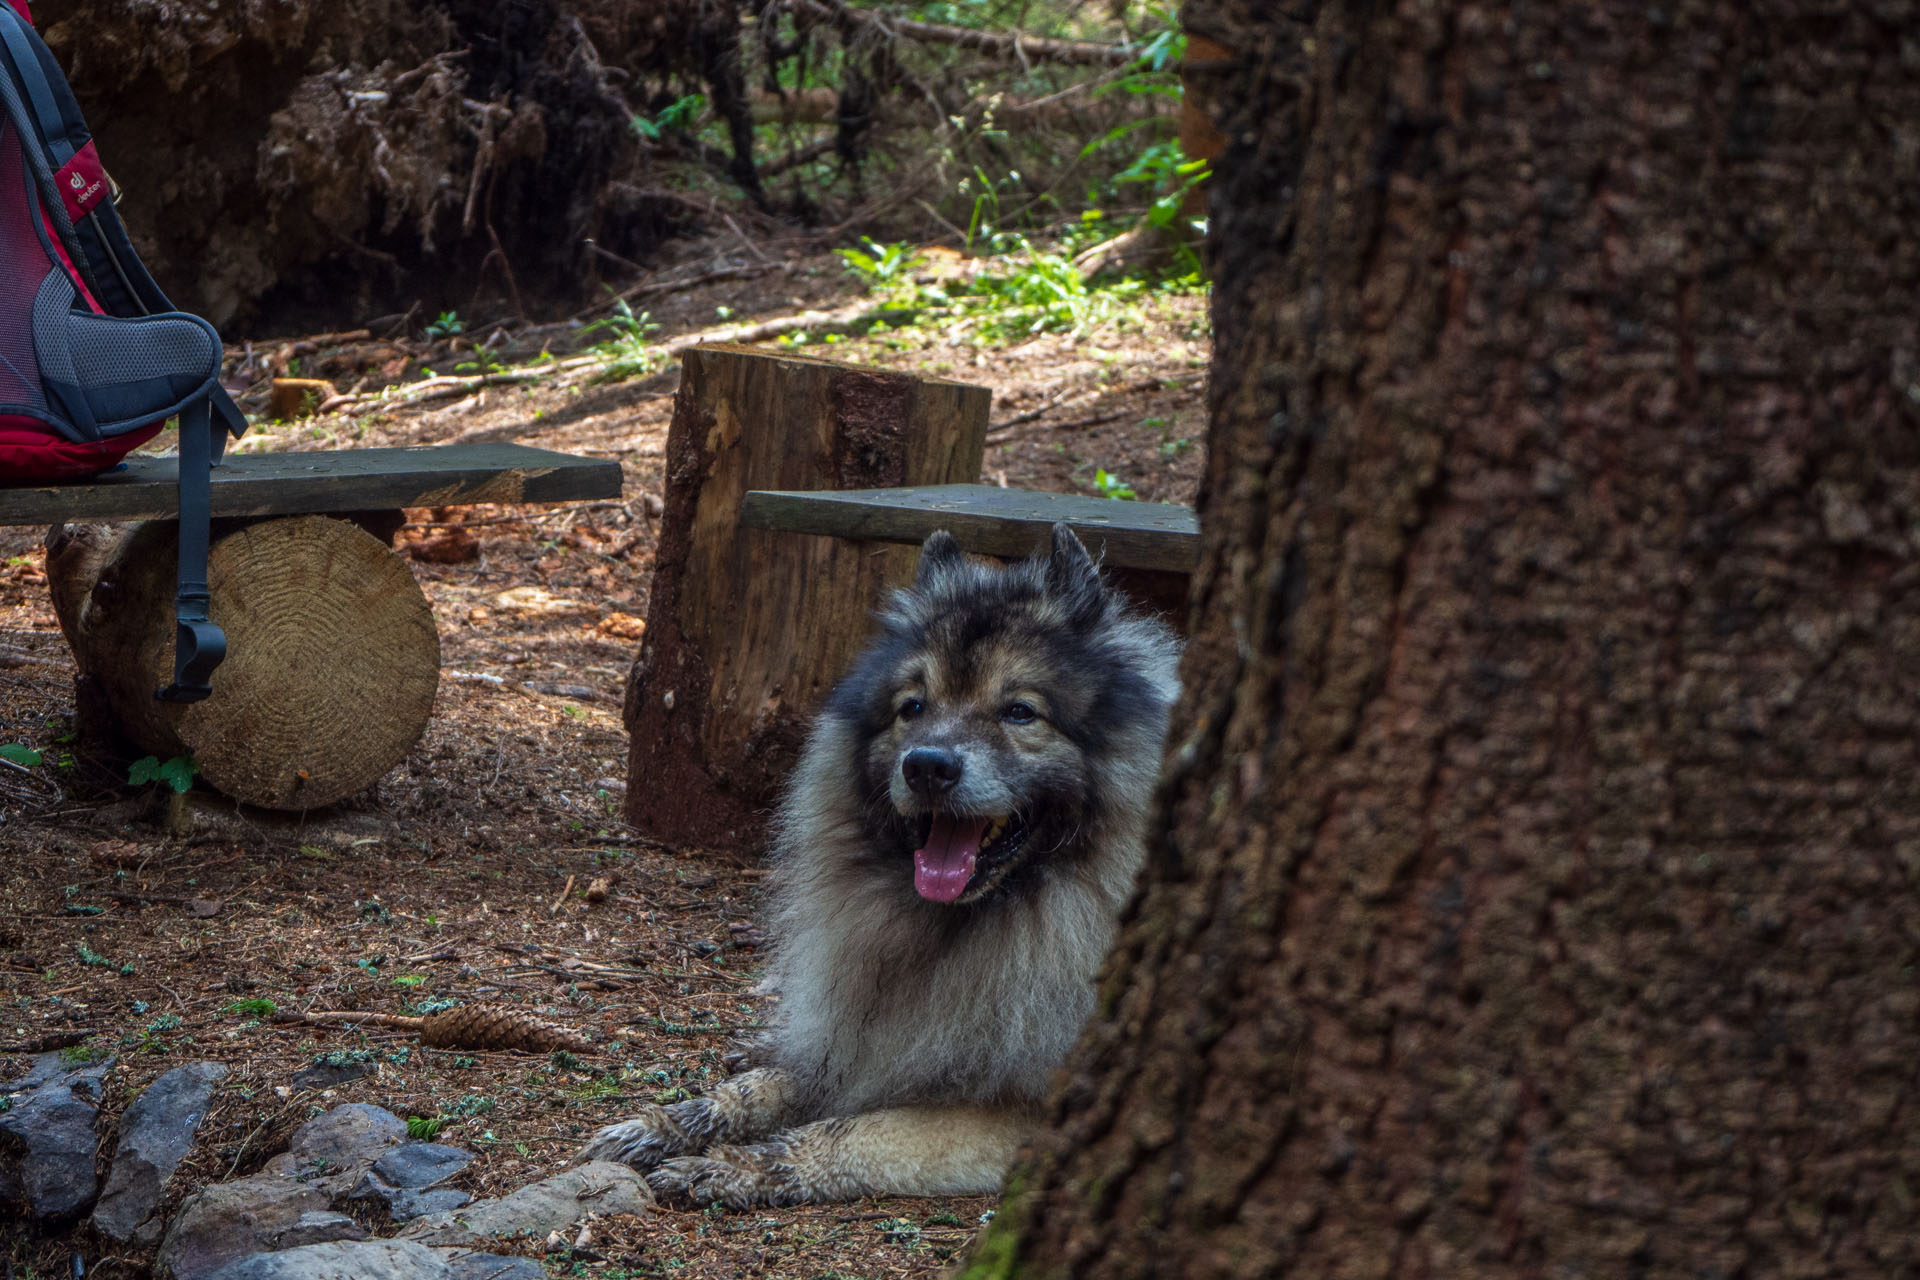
[[738, 1177], [643, 1141]]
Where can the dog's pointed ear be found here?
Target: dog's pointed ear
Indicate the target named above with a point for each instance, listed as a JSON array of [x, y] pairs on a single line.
[[1072, 576], [940, 555]]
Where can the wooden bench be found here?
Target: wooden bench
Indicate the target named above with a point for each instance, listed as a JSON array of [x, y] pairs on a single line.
[[1148, 548], [333, 657]]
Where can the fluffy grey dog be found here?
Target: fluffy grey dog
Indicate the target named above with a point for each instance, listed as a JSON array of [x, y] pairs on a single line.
[[951, 858]]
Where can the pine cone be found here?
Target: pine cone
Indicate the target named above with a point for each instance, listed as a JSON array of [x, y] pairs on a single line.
[[492, 1026]]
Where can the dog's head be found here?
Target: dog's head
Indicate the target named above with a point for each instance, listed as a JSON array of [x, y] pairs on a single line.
[[989, 713]]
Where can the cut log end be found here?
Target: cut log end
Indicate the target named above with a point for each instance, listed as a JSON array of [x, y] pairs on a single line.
[[333, 659]]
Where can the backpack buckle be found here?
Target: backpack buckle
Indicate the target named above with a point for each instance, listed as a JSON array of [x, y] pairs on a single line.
[[198, 647]]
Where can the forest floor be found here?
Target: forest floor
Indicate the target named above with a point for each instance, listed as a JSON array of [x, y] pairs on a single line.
[[449, 879]]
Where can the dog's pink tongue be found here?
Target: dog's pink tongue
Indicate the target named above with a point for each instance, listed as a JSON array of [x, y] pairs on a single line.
[[942, 869]]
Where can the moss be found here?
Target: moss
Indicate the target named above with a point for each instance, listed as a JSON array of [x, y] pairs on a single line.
[[996, 1256]]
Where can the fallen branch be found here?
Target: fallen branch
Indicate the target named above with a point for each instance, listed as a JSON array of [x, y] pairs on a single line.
[[10, 657], [474, 1026], [1024, 47], [47, 1043], [824, 321], [586, 367]]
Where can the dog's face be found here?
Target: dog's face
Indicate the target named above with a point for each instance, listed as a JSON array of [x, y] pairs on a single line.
[[981, 714]]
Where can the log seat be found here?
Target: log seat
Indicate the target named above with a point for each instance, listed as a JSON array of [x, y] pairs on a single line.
[[333, 657]]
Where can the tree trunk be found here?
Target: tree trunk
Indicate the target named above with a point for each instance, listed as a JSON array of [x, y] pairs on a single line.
[[332, 656], [1533, 888], [747, 630]]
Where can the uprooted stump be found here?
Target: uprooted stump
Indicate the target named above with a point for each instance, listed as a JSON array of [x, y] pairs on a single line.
[[748, 629], [332, 656]]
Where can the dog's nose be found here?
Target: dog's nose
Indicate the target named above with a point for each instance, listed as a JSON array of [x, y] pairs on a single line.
[[931, 771]]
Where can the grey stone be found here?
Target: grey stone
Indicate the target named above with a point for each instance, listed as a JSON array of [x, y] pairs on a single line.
[[369, 1260], [155, 1135], [407, 1205], [553, 1204], [420, 1165], [331, 1151], [491, 1266], [249, 1215], [327, 1075], [47, 1142], [51, 1066], [402, 1204]]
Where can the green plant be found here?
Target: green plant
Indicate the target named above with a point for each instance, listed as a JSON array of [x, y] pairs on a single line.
[[410, 980], [1112, 486], [93, 959], [446, 325], [25, 757], [627, 354], [253, 1008], [423, 1128], [879, 265], [676, 115], [485, 366], [177, 772]]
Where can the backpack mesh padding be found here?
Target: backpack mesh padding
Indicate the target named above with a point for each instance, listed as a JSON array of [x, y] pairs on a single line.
[[23, 268], [108, 350]]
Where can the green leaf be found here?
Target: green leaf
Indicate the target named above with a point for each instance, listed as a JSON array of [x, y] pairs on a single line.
[[26, 757], [178, 772], [144, 770]]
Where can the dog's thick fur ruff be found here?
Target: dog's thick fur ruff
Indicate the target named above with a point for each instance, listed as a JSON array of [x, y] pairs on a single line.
[[919, 1021]]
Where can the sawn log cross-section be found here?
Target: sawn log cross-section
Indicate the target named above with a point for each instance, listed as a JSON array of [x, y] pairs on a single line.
[[333, 658]]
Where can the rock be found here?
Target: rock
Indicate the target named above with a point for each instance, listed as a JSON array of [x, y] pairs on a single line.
[[327, 1075], [491, 1266], [48, 1147], [155, 1135], [420, 1165], [407, 1205], [402, 1204], [331, 1151], [560, 1201], [250, 1215], [370, 1260]]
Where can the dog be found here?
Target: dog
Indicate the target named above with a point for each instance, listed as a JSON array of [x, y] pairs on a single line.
[[951, 858]]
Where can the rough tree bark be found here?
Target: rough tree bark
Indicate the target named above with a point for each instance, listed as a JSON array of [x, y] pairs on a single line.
[[1534, 878]]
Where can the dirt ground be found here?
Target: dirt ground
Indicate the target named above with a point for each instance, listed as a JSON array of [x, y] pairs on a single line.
[[459, 876]]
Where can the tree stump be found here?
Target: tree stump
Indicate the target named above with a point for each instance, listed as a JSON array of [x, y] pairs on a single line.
[[332, 660], [747, 630]]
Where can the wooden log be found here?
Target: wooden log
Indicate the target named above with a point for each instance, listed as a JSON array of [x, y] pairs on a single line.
[[989, 520], [747, 629], [332, 656], [280, 484]]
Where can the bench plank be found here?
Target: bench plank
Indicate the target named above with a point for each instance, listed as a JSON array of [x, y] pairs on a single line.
[[272, 484], [988, 520]]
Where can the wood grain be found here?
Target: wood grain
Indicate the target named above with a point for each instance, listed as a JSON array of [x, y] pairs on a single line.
[[332, 662], [988, 520], [747, 629], [271, 484]]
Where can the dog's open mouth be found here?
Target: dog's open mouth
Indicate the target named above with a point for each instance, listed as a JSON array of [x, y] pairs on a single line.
[[957, 850]]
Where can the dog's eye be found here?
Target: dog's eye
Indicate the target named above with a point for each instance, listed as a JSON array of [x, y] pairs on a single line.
[[911, 709], [1020, 713]]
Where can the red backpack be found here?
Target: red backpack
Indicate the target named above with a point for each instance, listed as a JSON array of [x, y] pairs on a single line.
[[93, 358]]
